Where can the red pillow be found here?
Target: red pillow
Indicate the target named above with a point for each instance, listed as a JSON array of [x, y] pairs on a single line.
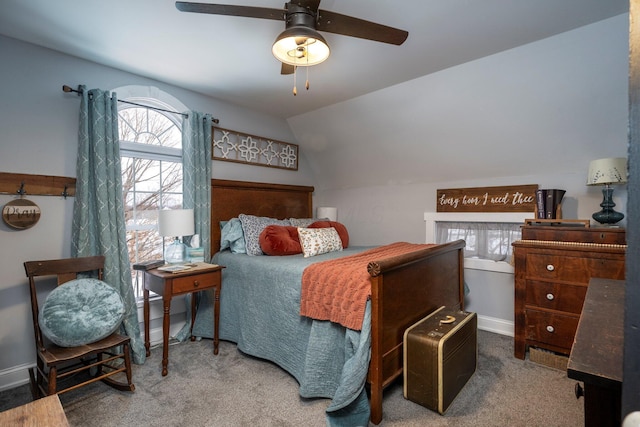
[[280, 240], [340, 228]]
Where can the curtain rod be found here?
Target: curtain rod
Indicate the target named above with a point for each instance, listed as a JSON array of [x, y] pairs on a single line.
[[68, 89]]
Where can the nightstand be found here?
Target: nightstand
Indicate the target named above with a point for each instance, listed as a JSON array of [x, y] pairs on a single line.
[[553, 267], [200, 277]]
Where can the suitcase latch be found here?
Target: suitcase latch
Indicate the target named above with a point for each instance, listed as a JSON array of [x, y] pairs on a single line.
[[447, 320]]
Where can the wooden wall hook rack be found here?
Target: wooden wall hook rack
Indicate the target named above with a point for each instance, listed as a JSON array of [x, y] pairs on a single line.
[[37, 185]]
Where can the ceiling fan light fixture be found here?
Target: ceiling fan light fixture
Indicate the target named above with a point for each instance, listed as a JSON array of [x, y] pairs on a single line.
[[300, 46]]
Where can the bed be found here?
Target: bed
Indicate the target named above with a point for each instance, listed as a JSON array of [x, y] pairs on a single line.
[[326, 359]]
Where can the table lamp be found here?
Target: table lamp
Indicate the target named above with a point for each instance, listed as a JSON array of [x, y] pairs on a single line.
[[606, 172], [175, 223], [326, 212]]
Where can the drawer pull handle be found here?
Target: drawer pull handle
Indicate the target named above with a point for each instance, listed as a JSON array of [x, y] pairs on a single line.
[[550, 297], [550, 267], [550, 329], [196, 283]]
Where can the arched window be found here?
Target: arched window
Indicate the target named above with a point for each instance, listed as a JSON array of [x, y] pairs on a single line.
[[151, 157]]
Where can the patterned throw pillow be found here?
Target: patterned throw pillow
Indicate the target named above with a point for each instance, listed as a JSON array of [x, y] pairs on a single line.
[[252, 226], [302, 222], [316, 241], [340, 228]]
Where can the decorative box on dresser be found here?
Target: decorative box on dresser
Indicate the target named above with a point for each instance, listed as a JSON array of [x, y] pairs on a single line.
[[553, 266]]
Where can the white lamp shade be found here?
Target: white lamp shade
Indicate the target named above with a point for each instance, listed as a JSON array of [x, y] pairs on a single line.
[[327, 212], [176, 222], [607, 171]]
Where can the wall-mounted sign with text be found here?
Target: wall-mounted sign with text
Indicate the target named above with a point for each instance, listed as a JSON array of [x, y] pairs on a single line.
[[517, 198], [21, 214]]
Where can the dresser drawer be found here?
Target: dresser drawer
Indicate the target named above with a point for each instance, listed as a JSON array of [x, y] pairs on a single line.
[[577, 269], [616, 236], [555, 296], [551, 328], [194, 283]]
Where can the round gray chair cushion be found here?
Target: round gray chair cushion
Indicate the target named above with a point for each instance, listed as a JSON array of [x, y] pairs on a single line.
[[81, 311]]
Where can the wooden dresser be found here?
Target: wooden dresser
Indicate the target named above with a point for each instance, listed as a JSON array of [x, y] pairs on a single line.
[[553, 266]]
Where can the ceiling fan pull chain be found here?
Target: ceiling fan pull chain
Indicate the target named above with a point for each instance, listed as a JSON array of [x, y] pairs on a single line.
[[307, 82], [295, 72]]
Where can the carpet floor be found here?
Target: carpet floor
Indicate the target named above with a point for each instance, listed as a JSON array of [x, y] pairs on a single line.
[[233, 389]]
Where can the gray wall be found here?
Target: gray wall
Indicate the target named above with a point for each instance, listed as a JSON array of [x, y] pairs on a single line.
[[536, 114]]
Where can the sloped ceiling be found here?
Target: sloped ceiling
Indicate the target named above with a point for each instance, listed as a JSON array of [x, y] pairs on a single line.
[[480, 89], [230, 57], [535, 112]]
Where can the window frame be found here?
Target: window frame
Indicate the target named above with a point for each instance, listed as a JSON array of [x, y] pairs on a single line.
[[150, 152], [431, 218]]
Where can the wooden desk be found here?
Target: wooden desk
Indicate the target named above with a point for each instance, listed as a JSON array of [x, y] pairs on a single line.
[[167, 284], [596, 355], [45, 412]]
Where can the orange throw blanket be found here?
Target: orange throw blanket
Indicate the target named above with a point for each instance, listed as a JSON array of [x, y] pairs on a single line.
[[338, 289]]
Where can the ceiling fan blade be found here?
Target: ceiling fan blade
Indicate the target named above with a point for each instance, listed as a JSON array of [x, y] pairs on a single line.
[[336, 23], [287, 69], [231, 10]]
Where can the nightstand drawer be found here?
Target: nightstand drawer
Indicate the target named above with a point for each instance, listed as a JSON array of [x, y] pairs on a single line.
[[555, 296], [201, 276], [572, 268], [550, 328], [195, 283]]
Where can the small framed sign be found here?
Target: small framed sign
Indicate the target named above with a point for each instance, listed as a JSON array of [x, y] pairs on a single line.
[[21, 214], [517, 198]]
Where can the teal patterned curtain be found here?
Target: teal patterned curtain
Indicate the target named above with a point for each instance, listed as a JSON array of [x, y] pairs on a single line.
[[98, 213], [196, 186], [196, 170]]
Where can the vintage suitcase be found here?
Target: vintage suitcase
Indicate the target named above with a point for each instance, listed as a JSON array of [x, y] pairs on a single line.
[[440, 355]]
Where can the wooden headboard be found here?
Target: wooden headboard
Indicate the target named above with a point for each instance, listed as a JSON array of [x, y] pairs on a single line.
[[231, 198]]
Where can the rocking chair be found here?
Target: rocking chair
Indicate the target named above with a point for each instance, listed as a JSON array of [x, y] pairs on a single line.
[[57, 364]]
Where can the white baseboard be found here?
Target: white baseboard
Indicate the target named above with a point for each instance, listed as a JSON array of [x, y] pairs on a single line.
[[17, 376], [495, 325]]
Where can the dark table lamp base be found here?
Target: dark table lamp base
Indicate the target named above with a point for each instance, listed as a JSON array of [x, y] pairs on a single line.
[[607, 215]]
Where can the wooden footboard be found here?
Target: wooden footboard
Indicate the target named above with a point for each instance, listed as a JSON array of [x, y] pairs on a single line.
[[405, 289]]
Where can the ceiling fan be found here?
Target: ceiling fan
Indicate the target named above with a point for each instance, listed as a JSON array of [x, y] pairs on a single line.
[[301, 44]]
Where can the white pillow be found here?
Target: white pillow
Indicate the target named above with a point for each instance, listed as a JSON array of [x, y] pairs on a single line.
[[316, 241]]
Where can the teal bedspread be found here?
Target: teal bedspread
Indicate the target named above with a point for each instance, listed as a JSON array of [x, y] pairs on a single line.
[[259, 310]]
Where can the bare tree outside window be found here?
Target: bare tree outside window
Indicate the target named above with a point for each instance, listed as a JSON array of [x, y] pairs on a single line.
[[151, 156]]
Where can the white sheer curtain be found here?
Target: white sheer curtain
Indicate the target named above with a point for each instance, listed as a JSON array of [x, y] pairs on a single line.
[[485, 240]]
